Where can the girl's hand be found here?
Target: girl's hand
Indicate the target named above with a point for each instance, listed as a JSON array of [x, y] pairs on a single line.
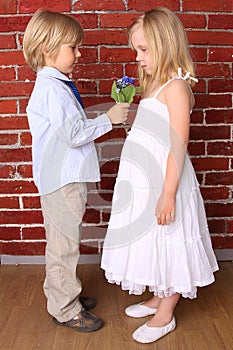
[[165, 209]]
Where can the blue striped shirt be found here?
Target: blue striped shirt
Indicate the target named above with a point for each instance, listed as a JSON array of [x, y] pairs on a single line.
[[63, 149]]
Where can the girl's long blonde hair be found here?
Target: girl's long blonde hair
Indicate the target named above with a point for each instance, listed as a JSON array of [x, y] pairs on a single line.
[[51, 29], [168, 45]]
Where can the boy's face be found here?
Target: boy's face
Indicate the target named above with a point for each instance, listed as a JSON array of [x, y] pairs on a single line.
[[66, 58]]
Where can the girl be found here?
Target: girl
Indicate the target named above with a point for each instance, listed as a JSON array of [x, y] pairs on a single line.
[[158, 235]]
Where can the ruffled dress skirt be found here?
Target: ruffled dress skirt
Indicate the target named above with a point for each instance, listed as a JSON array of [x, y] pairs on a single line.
[[138, 253]]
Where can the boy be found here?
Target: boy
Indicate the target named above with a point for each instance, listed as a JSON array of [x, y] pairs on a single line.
[[64, 159]]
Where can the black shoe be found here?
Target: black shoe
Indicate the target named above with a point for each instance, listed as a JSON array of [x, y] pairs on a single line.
[[86, 322], [88, 303]]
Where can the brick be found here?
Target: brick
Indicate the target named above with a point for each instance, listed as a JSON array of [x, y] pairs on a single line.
[[111, 151], [212, 70], [223, 54], [87, 87], [219, 178], [23, 248], [99, 199], [222, 242], [131, 69], [106, 37], [116, 55], [105, 86], [9, 202], [7, 74], [25, 139], [220, 148], [210, 132], [7, 41], [95, 71], [105, 217], [88, 20], [196, 148], [17, 186], [90, 232], [98, 5], [114, 134], [217, 226], [25, 170], [141, 5], [23, 102], [219, 116], [200, 87], [208, 163], [88, 248], [14, 23], [7, 171], [220, 21], [31, 202], [91, 216], [220, 85], [215, 193], [33, 233], [229, 226], [8, 139], [215, 101], [94, 101], [107, 183], [192, 21], [22, 217], [16, 155], [117, 20], [197, 117], [205, 37], [7, 106], [199, 54], [219, 209], [110, 167], [13, 123], [28, 6], [9, 233], [89, 55], [16, 89], [25, 72], [8, 6], [207, 5]]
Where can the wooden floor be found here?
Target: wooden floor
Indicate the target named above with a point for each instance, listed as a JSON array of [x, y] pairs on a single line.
[[202, 324]]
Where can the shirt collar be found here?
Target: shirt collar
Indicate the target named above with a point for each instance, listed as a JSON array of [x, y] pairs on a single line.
[[52, 72]]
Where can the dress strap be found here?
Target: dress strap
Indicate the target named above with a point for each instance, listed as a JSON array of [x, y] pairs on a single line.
[[179, 76]]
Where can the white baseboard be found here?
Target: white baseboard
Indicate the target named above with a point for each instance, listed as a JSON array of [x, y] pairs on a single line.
[[40, 259], [221, 254]]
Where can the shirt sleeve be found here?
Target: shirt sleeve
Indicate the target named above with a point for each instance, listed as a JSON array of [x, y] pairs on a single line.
[[69, 121]]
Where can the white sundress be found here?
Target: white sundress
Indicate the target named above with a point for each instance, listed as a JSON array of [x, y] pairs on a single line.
[[138, 253]]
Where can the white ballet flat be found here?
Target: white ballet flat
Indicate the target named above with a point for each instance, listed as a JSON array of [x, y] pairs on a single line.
[[139, 310], [146, 334]]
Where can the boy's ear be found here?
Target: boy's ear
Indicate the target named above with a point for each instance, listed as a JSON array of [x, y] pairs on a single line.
[[44, 50]]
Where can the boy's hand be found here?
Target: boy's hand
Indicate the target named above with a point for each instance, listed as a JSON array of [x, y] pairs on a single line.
[[118, 113]]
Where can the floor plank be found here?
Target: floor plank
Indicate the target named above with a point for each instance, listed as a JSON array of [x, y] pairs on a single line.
[[204, 323]]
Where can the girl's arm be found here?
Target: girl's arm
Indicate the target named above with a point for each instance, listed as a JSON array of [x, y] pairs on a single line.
[[179, 100]]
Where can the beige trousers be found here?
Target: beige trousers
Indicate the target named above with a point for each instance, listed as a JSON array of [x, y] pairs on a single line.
[[63, 211]]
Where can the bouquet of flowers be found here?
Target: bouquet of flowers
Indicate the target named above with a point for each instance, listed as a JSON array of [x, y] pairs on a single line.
[[124, 89]]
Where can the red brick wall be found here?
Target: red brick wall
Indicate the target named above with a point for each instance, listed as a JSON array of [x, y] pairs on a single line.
[[106, 54]]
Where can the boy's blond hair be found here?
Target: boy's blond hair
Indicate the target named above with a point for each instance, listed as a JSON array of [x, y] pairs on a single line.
[[168, 45], [50, 30]]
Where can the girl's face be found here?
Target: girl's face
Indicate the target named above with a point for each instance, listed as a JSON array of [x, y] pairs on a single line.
[[143, 54], [66, 58]]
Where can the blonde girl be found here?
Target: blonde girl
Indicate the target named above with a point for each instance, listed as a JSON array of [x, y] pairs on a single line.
[[158, 236]]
